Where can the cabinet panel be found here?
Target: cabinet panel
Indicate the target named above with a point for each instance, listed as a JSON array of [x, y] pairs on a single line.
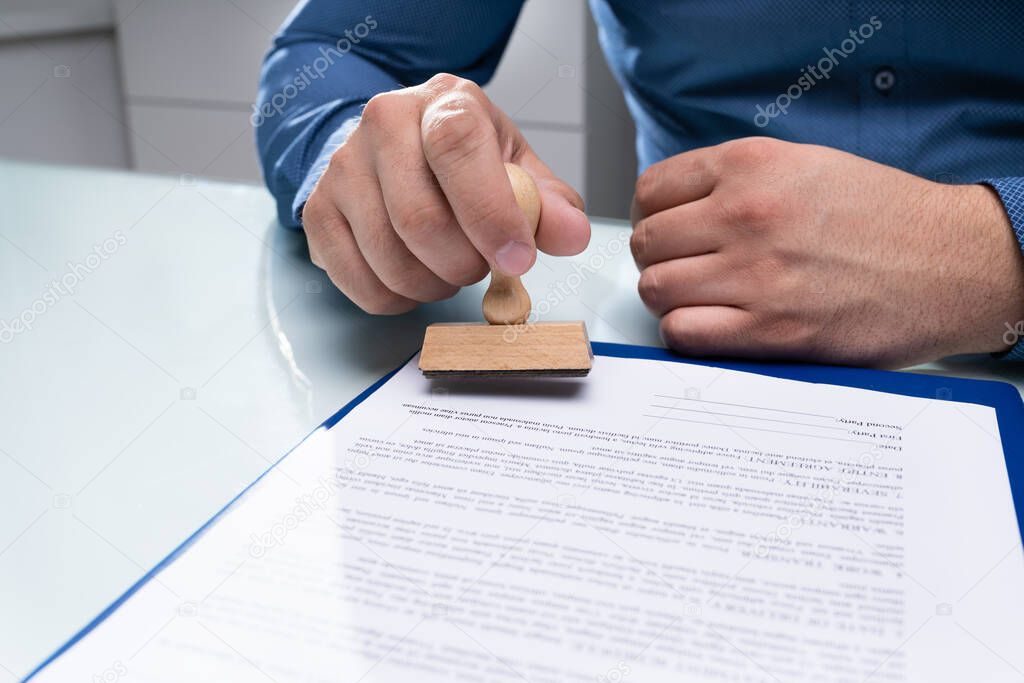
[[196, 49], [61, 102], [563, 151], [29, 18], [200, 142], [541, 71]]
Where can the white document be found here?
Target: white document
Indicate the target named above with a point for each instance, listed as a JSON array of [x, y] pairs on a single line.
[[654, 522]]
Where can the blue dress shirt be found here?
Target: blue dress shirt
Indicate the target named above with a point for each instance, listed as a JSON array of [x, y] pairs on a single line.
[[934, 87]]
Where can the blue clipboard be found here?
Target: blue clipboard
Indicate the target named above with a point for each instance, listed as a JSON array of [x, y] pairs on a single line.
[[1003, 397]]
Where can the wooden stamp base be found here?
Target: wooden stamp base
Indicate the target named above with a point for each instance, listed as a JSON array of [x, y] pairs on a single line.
[[528, 350]]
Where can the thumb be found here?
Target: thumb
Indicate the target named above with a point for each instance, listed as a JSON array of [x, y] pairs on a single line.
[[564, 229]]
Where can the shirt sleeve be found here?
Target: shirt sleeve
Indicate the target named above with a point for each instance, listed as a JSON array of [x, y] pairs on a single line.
[[332, 56], [1011, 192]]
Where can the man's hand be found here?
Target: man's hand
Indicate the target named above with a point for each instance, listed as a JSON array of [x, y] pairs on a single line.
[[416, 203], [769, 249]]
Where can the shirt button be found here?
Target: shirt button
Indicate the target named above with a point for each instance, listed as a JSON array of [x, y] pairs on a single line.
[[885, 79]]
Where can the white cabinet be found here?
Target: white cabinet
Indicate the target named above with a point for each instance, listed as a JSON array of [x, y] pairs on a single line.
[[61, 100], [215, 143], [190, 73], [196, 53], [34, 19]]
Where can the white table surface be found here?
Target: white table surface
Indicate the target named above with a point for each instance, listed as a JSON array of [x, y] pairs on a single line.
[[195, 354]]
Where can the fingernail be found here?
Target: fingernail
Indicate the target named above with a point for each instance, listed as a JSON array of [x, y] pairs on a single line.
[[515, 258]]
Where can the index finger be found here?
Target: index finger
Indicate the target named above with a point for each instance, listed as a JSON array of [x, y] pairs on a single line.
[[461, 145]]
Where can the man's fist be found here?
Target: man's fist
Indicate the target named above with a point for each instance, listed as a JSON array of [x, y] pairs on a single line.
[[416, 203], [769, 249]]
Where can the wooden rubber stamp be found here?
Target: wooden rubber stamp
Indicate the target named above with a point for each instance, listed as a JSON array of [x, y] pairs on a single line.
[[508, 344]]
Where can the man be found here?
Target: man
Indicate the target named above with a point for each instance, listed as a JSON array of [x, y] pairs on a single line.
[[821, 180]]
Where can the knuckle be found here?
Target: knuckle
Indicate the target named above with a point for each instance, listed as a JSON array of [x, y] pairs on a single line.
[[750, 152], [378, 305], [372, 237], [454, 132], [314, 241], [649, 288], [433, 226], [756, 209], [470, 86], [340, 161], [686, 335], [312, 211], [379, 108], [401, 277], [682, 333], [675, 334], [409, 284], [321, 222], [452, 82], [348, 170], [459, 267], [439, 292], [640, 241], [647, 188], [443, 82], [382, 302], [421, 221], [400, 280], [487, 215], [410, 280], [464, 275]]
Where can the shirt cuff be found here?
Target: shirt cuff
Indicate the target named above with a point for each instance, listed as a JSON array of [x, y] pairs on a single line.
[[336, 140], [1011, 192]]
